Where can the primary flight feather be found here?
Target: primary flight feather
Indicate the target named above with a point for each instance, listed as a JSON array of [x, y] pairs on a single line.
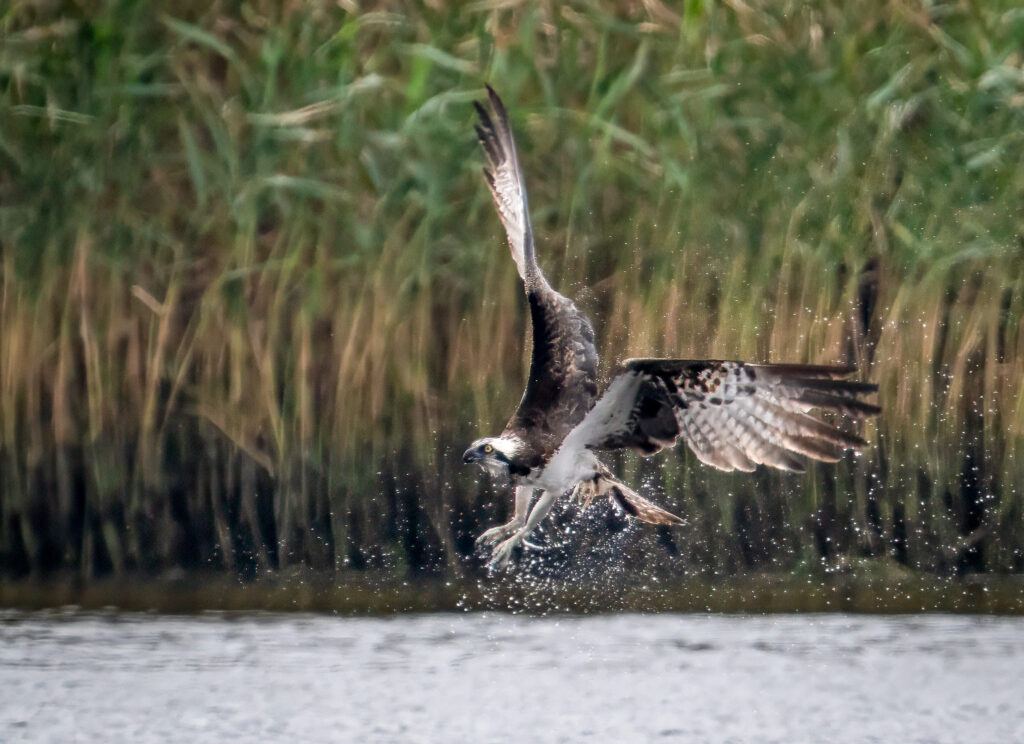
[[733, 415]]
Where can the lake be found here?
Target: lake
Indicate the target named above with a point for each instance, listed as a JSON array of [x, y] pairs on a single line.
[[491, 677]]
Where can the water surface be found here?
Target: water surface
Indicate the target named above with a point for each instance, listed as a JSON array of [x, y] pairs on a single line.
[[502, 678]]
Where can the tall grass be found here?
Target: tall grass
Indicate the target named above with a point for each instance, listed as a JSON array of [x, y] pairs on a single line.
[[255, 298]]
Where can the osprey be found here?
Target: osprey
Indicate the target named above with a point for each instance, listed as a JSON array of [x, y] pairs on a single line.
[[733, 415]]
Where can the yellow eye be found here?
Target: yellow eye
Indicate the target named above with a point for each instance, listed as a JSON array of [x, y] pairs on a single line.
[[488, 448]]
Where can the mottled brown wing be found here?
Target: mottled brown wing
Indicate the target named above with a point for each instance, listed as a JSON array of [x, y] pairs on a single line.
[[563, 374], [734, 416], [563, 369]]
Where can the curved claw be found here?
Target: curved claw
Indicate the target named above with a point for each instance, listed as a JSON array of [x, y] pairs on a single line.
[[496, 534], [503, 552]]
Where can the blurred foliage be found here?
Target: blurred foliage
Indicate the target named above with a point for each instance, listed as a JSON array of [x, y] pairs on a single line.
[[255, 299]]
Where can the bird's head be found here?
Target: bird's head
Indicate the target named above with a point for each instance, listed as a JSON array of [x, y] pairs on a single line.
[[494, 454]]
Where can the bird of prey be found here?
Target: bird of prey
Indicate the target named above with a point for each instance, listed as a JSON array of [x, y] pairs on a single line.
[[733, 415]]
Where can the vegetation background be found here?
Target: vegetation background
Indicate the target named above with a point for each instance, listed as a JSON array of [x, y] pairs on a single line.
[[255, 300]]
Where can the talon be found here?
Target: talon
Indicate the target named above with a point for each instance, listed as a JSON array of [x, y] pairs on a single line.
[[496, 534], [489, 537], [503, 553], [585, 492]]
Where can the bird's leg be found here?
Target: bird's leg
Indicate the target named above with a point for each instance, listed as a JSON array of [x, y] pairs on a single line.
[[495, 534], [587, 490], [540, 510]]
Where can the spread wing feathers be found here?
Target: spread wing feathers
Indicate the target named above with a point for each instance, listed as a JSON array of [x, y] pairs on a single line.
[[734, 416], [505, 180], [563, 373], [563, 368]]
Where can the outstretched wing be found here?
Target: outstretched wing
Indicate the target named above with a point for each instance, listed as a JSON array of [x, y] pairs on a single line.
[[505, 180], [734, 416], [563, 370]]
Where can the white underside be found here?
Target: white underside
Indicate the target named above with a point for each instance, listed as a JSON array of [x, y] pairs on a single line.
[[564, 470], [573, 461]]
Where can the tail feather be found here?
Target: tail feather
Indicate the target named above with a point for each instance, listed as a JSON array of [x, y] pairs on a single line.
[[637, 506]]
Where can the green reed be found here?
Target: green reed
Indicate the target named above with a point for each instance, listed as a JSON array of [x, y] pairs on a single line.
[[255, 299]]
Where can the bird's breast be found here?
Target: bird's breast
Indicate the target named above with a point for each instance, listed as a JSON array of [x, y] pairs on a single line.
[[565, 469]]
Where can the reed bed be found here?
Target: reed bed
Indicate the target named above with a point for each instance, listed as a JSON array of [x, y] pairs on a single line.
[[255, 300]]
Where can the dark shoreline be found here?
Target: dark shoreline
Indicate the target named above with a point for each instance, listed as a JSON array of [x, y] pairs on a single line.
[[387, 595], [243, 341]]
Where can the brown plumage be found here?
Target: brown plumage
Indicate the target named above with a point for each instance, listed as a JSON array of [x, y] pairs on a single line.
[[733, 415], [562, 385]]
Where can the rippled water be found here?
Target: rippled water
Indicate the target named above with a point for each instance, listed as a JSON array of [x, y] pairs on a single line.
[[497, 678]]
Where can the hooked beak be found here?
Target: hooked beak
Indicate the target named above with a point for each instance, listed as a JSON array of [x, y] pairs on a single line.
[[471, 455]]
